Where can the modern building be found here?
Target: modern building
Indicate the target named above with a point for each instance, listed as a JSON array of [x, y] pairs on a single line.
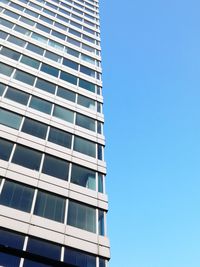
[[53, 202]]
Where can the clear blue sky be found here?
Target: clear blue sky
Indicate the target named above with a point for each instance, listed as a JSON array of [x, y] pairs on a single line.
[[151, 64]]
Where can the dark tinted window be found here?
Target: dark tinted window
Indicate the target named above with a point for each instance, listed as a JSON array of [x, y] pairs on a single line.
[[49, 70], [60, 137], [66, 94], [11, 239], [5, 149], [83, 177], [34, 128], [8, 260], [40, 104], [46, 86], [85, 122], [17, 96], [79, 258], [10, 119]]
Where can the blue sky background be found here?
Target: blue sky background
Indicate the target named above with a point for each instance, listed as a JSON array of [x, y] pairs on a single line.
[[151, 64]]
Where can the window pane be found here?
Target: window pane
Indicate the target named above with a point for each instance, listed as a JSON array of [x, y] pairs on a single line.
[[22, 30], [71, 64], [10, 119], [17, 96], [43, 248], [16, 196], [86, 102], [64, 114], [35, 49], [3, 35], [5, 149], [87, 85], [10, 53], [9, 260], [60, 137], [16, 41], [27, 157], [101, 222], [79, 258], [83, 177], [55, 167], [30, 62], [81, 216], [85, 122], [85, 146], [5, 69], [46, 86], [50, 206], [24, 77], [68, 77], [40, 105], [49, 70], [34, 128], [11, 239], [53, 56], [87, 71], [29, 263], [66, 94], [102, 262], [2, 88], [100, 183]]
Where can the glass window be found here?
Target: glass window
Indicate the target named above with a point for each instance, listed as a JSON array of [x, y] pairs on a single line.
[[68, 77], [71, 64], [85, 122], [85, 146], [9, 260], [74, 42], [102, 262], [27, 157], [86, 102], [35, 49], [72, 52], [63, 113], [10, 53], [49, 70], [11, 14], [27, 21], [3, 35], [43, 248], [79, 258], [55, 167], [99, 127], [6, 23], [101, 222], [47, 12], [61, 26], [30, 62], [29, 263], [17, 196], [31, 13], [53, 56], [35, 6], [100, 183], [5, 149], [89, 39], [87, 85], [39, 38], [5, 69], [40, 104], [81, 216], [88, 59], [66, 94], [77, 25], [10, 119], [60, 137], [46, 86], [50, 206], [11, 239], [2, 88], [88, 48], [83, 177], [58, 35], [100, 152], [17, 96], [76, 33], [24, 77], [16, 41], [56, 45], [43, 28], [22, 30], [87, 71], [34, 128]]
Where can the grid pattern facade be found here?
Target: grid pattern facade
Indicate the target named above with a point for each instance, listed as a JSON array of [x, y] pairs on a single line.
[[53, 202]]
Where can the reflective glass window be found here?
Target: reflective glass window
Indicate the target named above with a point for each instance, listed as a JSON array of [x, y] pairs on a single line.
[[35, 49], [24, 77], [50, 206], [5, 69], [72, 52], [3, 35], [79, 258], [11, 14], [34, 128], [87, 71], [31, 13], [76, 33], [87, 85], [71, 64], [53, 56], [39, 38], [30, 263], [11, 239], [58, 35], [10, 119], [27, 21], [17, 96], [43, 248], [49, 70], [63, 113], [55, 167], [27, 157], [2, 88], [41, 105], [85, 146], [66, 94], [10, 53], [86, 102], [16, 41], [100, 152], [22, 30], [60, 137], [68, 77], [9, 260], [6, 23], [5, 149], [85, 122], [101, 222], [102, 262], [83, 176], [45, 86], [81, 216], [73, 41], [43, 28], [30, 62], [17, 196], [100, 183]]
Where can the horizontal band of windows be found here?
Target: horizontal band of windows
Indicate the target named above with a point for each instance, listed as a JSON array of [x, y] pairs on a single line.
[[40, 250], [51, 165], [52, 206]]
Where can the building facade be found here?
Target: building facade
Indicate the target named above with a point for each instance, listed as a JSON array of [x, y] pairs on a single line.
[[53, 202]]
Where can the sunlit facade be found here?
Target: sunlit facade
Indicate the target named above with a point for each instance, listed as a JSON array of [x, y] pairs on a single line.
[[53, 202]]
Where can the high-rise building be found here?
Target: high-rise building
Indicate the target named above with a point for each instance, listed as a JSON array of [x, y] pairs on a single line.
[[53, 202]]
